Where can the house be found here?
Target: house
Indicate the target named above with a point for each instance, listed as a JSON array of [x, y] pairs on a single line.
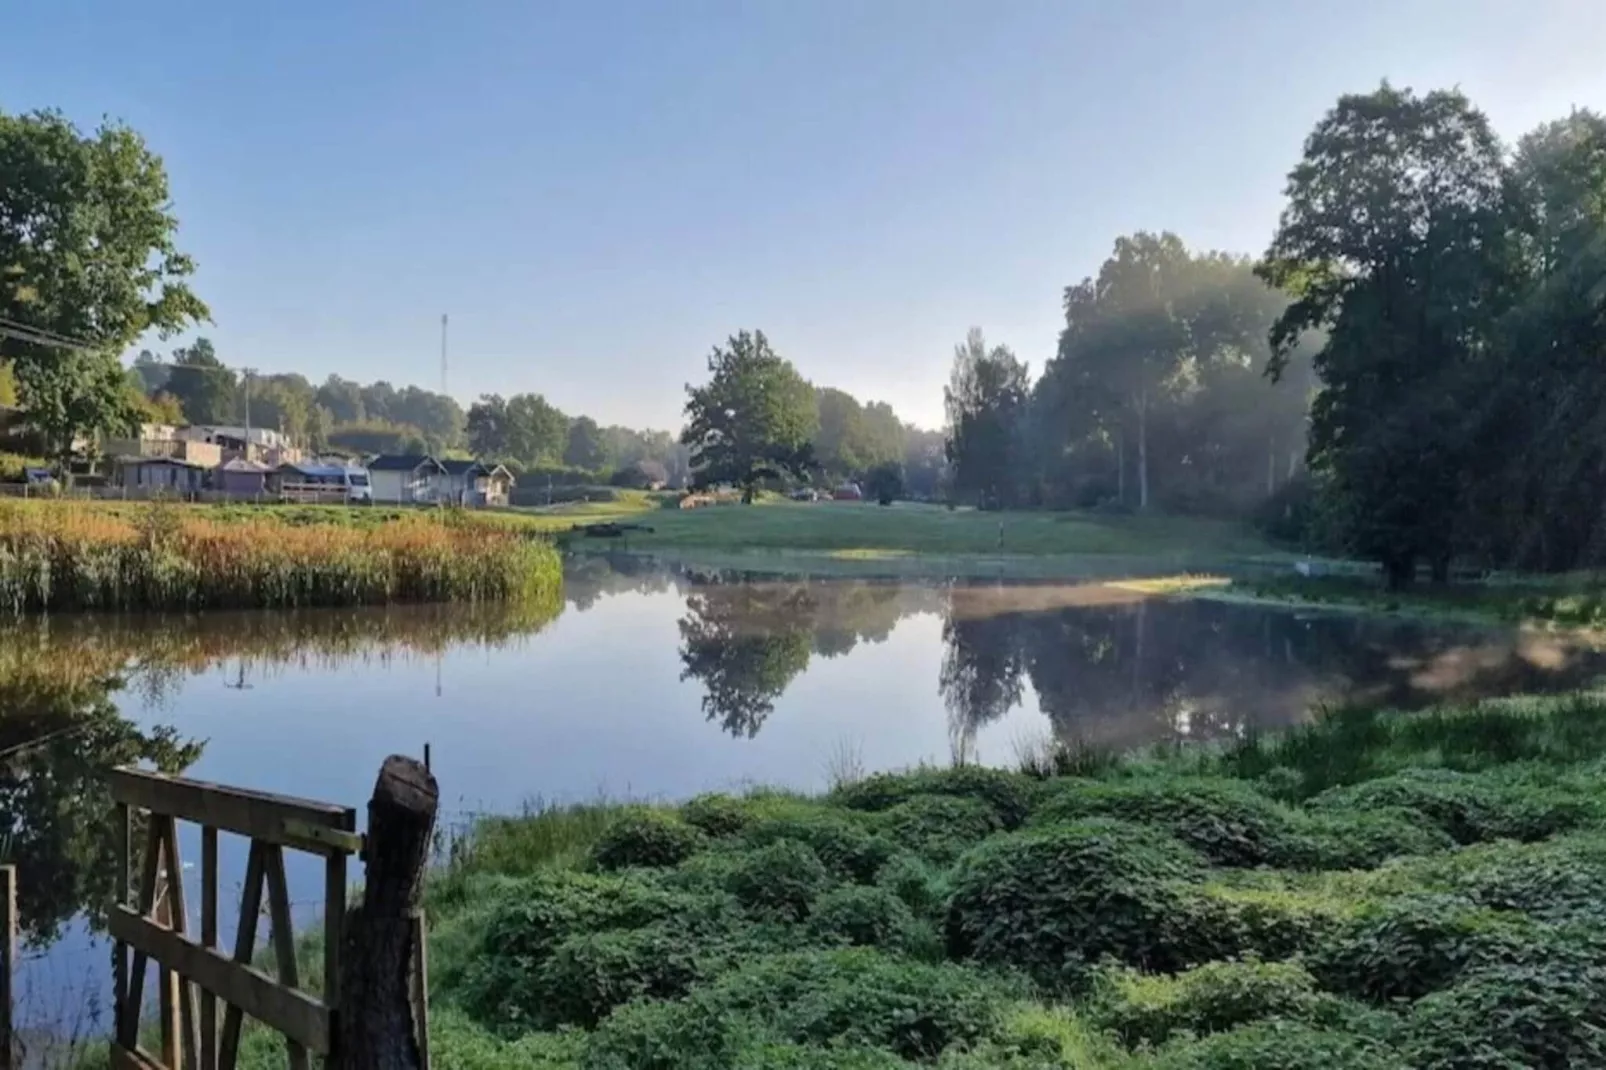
[[155, 474], [157, 440], [242, 477], [403, 478], [251, 443], [475, 483], [307, 482]]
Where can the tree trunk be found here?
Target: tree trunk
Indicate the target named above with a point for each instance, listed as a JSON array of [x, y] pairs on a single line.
[[1271, 468], [1120, 468], [1143, 451], [1440, 566], [376, 1013], [1399, 570]]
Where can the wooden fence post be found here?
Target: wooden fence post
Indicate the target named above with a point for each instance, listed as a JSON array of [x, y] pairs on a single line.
[[8, 963], [376, 1027]]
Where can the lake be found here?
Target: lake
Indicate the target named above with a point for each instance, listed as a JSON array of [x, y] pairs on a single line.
[[651, 682]]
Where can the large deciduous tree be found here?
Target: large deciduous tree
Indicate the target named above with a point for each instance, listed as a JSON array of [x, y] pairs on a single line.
[[1393, 241], [88, 254], [586, 448], [985, 403], [753, 420]]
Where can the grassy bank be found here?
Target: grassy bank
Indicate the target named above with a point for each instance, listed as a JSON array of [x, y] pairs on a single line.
[[1567, 602], [64, 556], [862, 539], [1372, 891]]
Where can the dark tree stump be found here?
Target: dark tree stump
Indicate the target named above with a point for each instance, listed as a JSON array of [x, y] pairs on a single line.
[[376, 1029]]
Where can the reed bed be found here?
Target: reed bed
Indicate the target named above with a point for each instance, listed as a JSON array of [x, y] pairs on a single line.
[[57, 557]]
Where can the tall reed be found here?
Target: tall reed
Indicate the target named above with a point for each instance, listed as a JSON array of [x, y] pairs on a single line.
[[64, 556]]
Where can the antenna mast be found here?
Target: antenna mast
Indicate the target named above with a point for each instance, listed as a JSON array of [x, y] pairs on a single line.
[[443, 353]]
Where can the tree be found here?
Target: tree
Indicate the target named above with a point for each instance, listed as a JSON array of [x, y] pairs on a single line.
[[884, 482], [745, 643], [208, 391], [1393, 240], [754, 418], [586, 447], [343, 399], [87, 253], [985, 401], [537, 430]]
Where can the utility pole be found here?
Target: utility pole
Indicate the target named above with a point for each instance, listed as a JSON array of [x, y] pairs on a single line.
[[245, 376], [443, 354]]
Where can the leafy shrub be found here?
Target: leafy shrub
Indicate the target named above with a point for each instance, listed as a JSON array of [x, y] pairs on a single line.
[[1538, 1017], [501, 984], [588, 975], [923, 889], [939, 827], [1280, 1045], [1052, 900], [457, 1043], [646, 838], [1220, 922], [799, 1057], [717, 815], [1011, 795], [1556, 883], [1470, 807], [1227, 821], [843, 842], [1406, 947], [858, 916], [857, 997], [779, 880], [662, 1035], [1145, 1009], [1361, 839]]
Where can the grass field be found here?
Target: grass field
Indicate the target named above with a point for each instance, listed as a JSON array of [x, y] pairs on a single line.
[[1576, 602]]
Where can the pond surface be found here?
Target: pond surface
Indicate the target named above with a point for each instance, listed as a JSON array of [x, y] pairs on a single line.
[[652, 682]]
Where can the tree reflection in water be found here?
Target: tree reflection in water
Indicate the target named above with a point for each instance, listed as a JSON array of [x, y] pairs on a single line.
[[1109, 667]]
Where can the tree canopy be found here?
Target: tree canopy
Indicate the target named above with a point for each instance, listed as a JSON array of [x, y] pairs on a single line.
[[754, 419], [89, 257]]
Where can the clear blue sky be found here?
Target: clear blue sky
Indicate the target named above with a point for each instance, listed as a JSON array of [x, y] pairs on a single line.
[[598, 192]]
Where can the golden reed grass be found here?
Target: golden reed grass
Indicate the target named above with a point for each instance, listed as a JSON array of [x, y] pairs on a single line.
[[73, 556]]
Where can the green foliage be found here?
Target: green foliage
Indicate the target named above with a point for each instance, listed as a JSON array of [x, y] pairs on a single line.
[[656, 1035], [780, 880], [754, 418], [1539, 1016], [1407, 947], [884, 483], [717, 815], [1470, 809], [857, 916], [1269, 923], [1280, 1045], [646, 837], [1147, 1009], [1227, 821], [844, 842], [939, 827], [985, 400], [1011, 795], [1363, 839], [921, 887], [1054, 900]]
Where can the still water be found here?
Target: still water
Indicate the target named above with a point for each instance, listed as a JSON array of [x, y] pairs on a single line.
[[653, 682]]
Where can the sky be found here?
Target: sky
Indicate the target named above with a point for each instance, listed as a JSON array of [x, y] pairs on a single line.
[[599, 192]]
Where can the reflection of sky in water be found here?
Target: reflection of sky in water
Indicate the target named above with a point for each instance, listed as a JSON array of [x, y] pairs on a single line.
[[596, 703]]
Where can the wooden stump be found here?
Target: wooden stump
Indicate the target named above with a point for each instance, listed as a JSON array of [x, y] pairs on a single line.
[[376, 1028]]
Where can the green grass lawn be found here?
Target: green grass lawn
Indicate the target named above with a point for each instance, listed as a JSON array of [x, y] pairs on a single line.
[[863, 538], [1575, 602]]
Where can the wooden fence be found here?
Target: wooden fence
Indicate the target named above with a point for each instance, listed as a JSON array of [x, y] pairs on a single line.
[[149, 923]]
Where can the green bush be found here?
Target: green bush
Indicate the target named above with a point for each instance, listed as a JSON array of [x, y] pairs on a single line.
[[646, 838], [1221, 922], [502, 982], [1557, 882], [1227, 821], [1280, 1045], [1406, 947], [1538, 1017], [844, 842], [717, 815], [922, 887], [939, 827], [1358, 839], [856, 916], [1148, 1009], [859, 998], [590, 974], [780, 880], [660, 1035], [1011, 795], [1050, 901], [799, 1057], [1472, 808]]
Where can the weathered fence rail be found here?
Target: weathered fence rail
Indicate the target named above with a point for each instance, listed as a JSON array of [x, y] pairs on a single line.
[[361, 975]]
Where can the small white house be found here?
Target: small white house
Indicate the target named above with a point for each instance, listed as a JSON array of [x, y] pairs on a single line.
[[403, 478]]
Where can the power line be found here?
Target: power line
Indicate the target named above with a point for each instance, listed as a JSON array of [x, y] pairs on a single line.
[[45, 334]]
